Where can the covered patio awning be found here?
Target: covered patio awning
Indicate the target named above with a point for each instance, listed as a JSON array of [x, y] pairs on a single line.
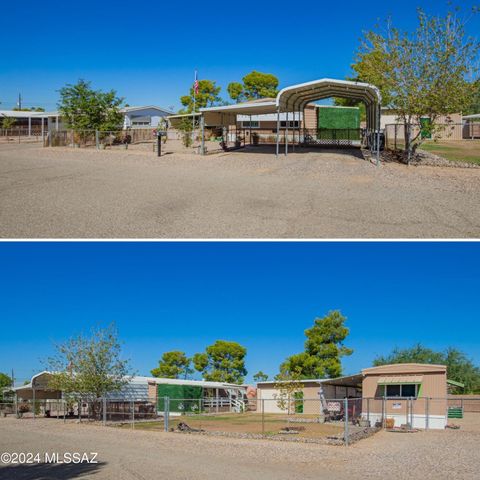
[[400, 379]]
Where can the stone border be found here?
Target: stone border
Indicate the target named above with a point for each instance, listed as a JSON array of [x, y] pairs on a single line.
[[336, 441]]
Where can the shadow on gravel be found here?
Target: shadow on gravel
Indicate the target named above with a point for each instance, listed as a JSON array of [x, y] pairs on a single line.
[[49, 471], [270, 150]]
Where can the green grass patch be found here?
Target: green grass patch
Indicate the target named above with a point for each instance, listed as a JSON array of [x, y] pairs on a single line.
[[467, 151]]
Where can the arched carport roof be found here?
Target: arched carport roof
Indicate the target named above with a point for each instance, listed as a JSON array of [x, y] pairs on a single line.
[[294, 98]]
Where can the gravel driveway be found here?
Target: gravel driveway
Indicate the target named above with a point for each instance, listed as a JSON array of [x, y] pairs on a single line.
[[133, 454], [65, 193]]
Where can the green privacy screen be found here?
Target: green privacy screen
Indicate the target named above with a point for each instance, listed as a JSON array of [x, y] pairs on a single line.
[[183, 398], [338, 118]]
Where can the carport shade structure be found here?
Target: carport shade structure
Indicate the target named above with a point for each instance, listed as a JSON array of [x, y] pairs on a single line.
[[295, 98]]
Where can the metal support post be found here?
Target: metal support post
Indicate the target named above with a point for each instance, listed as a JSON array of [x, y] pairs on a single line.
[[346, 432], [97, 140], [29, 126], [278, 132], [384, 412], [368, 410], [293, 131], [166, 412], [286, 135], [104, 410], [378, 134], [216, 403], [263, 416], [202, 124], [33, 399], [159, 145], [250, 134]]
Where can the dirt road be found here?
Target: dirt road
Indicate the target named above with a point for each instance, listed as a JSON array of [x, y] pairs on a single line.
[[132, 454], [76, 193]]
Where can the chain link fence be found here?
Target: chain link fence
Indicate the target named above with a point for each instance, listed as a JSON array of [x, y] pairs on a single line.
[[99, 139], [335, 421], [22, 135], [395, 133]]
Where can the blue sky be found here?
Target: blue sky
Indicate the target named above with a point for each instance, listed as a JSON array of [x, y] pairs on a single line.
[[149, 51], [185, 296]]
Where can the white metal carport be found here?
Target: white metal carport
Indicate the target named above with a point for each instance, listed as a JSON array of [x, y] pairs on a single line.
[[295, 98]]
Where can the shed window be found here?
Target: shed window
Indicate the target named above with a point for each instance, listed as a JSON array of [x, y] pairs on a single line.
[[403, 390]]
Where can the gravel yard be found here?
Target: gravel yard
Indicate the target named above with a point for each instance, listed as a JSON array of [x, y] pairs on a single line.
[[78, 193], [133, 454]]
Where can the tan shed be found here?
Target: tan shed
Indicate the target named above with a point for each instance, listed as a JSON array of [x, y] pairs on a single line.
[[410, 393]]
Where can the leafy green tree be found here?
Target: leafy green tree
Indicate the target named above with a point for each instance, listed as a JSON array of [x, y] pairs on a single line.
[[5, 382], [222, 362], [174, 364], [255, 85], [86, 109], [324, 349], [459, 367], [207, 96], [235, 90], [8, 122], [289, 385], [260, 377], [89, 365], [185, 126], [421, 74]]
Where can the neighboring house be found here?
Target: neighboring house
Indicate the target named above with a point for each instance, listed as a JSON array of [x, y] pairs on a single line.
[[143, 117], [312, 394], [31, 123], [185, 394], [393, 126], [471, 127]]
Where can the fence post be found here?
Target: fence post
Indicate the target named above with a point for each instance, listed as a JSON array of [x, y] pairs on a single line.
[[104, 410], [345, 409], [166, 412], [263, 416], [97, 140], [132, 406], [427, 413], [384, 412]]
